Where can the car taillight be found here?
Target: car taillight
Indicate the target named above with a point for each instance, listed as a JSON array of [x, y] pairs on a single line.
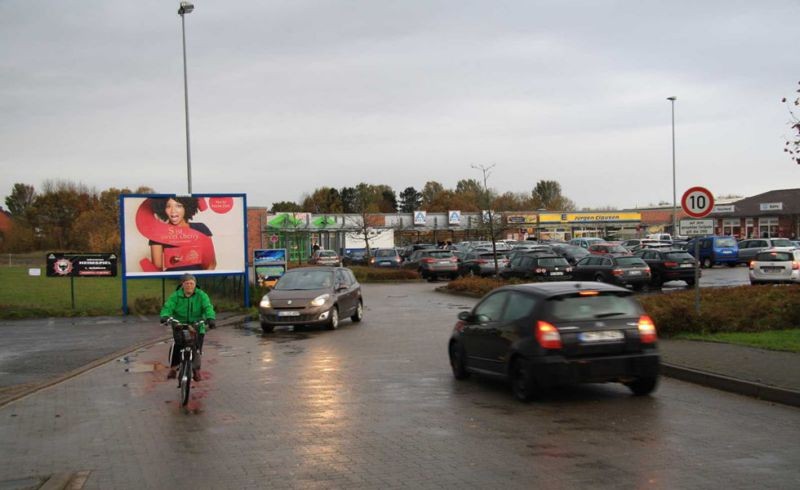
[[752, 265], [540, 270], [670, 264], [428, 260], [482, 261], [454, 259], [796, 265], [647, 330], [617, 272], [459, 327], [568, 269], [547, 335]]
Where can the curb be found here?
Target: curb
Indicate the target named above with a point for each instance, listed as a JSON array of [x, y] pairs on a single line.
[[726, 383], [99, 362]]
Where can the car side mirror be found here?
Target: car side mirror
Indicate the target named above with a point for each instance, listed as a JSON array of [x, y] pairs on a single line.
[[464, 316], [341, 286]]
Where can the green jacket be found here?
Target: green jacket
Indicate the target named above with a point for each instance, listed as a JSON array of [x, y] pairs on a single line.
[[187, 310]]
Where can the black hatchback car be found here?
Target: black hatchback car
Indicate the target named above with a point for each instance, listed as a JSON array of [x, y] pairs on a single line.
[[538, 267], [540, 335], [669, 265], [622, 271]]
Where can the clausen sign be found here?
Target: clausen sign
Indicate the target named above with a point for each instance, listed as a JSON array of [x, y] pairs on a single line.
[[589, 217]]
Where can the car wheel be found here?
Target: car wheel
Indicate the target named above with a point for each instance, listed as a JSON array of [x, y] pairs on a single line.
[[707, 263], [333, 319], [359, 314], [732, 264], [523, 385], [599, 278], [690, 283], [453, 276], [637, 287], [267, 327], [657, 281], [643, 386], [458, 361]]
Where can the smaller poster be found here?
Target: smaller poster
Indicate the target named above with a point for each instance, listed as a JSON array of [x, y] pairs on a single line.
[[81, 265], [269, 265]]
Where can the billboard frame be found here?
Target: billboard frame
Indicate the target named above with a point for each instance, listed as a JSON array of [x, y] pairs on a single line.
[[125, 277]]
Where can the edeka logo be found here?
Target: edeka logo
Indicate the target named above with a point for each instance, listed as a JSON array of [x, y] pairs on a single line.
[[220, 205]]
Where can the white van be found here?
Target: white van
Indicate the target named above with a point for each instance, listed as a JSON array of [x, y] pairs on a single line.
[[662, 237]]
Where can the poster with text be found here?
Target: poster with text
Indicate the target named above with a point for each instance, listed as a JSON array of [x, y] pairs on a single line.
[[171, 235]]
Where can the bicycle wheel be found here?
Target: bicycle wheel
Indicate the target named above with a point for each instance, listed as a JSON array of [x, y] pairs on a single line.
[[186, 382]]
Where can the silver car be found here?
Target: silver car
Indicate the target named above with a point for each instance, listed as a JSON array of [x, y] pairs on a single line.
[[776, 265], [751, 247]]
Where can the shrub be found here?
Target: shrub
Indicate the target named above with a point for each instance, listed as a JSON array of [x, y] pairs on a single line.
[[147, 305], [477, 286], [737, 309], [373, 274]]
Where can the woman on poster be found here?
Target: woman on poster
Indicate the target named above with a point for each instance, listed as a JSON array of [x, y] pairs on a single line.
[[176, 243]]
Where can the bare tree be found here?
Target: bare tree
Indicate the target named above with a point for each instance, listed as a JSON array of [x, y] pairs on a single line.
[[793, 142], [488, 206]]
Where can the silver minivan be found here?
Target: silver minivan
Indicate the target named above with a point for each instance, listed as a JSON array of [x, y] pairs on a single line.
[[776, 265], [748, 249]]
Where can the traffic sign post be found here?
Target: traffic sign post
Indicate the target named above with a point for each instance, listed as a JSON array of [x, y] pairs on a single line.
[[698, 202]]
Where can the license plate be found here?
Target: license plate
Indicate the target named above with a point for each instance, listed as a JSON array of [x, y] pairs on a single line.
[[635, 273], [384, 264], [772, 269], [601, 336], [556, 273], [288, 313], [687, 265]]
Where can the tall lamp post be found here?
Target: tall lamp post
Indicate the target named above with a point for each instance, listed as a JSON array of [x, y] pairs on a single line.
[[186, 8], [674, 195]]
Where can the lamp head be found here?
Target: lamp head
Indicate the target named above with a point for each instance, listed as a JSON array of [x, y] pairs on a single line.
[[185, 8], [673, 98]]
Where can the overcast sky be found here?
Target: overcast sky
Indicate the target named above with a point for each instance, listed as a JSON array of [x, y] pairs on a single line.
[[288, 96]]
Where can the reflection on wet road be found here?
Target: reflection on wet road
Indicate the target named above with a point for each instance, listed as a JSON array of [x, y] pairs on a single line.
[[373, 405]]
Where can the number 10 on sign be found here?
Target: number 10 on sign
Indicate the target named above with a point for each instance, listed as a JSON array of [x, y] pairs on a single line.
[[697, 202]]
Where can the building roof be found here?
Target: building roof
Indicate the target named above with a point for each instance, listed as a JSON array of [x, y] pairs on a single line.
[[789, 200]]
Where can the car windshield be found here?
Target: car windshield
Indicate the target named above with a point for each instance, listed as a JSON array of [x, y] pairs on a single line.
[[774, 257], [577, 251], [631, 261], [385, 253], [305, 280], [331, 253], [439, 254], [553, 261], [575, 307], [726, 242], [782, 242], [678, 256]]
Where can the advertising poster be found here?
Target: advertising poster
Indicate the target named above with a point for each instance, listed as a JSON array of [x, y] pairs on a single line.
[[269, 265], [167, 235]]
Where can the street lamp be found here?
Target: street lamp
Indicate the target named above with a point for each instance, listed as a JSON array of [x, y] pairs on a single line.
[[186, 8], [674, 195]]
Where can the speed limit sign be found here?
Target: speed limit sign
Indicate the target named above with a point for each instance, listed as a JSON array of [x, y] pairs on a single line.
[[697, 202]]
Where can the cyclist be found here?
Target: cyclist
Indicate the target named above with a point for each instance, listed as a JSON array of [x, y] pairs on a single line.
[[188, 304]]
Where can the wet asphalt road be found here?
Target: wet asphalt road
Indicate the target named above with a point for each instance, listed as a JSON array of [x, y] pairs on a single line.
[[373, 405]]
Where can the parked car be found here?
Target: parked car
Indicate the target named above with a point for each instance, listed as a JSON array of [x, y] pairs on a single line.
[[325, 257], [776, 265], [540, 335], [538, 268], [715, 250], [409, 250], [607, 249], [620, 270], [433, 263], [386, 257], [312, 296], [748, 249], [639, 243], [481, 263], [572, 253], [585, 242], [355, 257], [536, 249], [669, 265], [661, 237]]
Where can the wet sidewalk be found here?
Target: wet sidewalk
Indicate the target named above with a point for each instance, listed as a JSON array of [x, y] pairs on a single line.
[[770, 375]]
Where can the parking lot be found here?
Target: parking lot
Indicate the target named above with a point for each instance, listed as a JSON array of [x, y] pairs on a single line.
[[374, 405]]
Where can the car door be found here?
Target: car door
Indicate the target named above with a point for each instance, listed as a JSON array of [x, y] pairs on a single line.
[[583, 269], [485, 324], [501, 340], [345, 293]]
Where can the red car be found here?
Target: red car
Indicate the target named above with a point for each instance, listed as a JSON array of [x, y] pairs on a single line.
[[608, 249]]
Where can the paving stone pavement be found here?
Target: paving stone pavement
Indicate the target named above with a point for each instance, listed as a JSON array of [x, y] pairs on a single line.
[[373, 405]]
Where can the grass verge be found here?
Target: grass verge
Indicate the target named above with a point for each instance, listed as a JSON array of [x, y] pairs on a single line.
[[780, 340]]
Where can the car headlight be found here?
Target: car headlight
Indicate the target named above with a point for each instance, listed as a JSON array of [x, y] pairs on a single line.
[[265, 302], [320, 300]]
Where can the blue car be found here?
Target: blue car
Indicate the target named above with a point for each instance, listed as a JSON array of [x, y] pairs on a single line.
[[715, 250]]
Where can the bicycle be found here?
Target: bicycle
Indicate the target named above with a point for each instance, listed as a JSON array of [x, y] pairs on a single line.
[[186, 334]]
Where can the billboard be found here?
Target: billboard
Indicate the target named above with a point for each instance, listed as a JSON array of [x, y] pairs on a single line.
[[165, 235]]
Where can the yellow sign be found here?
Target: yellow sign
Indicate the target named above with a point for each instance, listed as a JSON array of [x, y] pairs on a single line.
[[589, 217]]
